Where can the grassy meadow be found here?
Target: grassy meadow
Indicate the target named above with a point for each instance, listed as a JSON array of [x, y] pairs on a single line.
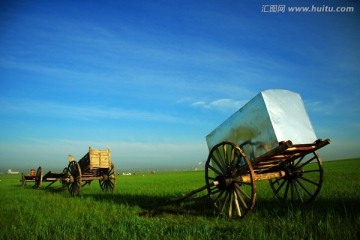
[[139, 209]]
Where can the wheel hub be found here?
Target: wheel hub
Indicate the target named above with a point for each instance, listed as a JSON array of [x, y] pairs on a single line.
[[293, 172], [223, 181]]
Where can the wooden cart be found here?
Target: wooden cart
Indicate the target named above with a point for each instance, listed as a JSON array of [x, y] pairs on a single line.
[[248, 147], [28, 178], [294, 172], [269, 138], [95, 165]]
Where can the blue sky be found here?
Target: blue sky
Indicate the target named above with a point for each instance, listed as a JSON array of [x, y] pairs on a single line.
[[150, 79]]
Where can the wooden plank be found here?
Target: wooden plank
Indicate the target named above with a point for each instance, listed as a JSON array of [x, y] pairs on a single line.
[[282, 147], [286, 152], [29, 178]]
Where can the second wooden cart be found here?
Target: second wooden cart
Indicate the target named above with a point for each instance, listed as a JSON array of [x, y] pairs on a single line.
[[95, 165]]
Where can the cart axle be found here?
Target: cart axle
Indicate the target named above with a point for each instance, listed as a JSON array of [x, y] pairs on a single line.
[[224, 181]]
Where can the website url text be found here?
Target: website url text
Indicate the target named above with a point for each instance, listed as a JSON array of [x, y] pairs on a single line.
[[308, 9]]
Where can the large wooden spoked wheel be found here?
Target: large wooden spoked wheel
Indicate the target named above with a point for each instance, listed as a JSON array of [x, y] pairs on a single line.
[[302, 181], [230, 180], [38, 178], [74, 173], [108, 181]]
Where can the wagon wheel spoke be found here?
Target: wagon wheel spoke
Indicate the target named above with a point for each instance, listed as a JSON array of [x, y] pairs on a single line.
[[217, 197], [276, 181], [108, 181], [219, 160], [241, 194], [224, 170], [212, 178], [223, 203], [303, 180], [309, 181], [228, 154], [74, 173], [231, 204], [297, 191], [292, 190], [74, 188], [277, 190], [237, 159], [299, 160], [310, 171], [238, 210], [106, 185], [218, 165], [215, 170], [235, 206], [306, 162], [286, 190], [216, 193]]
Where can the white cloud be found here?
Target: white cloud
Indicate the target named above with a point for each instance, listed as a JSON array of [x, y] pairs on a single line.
[[199, 104], [224, 104]]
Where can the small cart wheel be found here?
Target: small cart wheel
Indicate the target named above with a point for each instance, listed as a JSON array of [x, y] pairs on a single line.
[[38, 178], [230, 180], [302, 181], [74, 173], [108, 182]]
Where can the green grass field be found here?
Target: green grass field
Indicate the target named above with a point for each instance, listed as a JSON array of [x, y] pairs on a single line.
[[138, 210]]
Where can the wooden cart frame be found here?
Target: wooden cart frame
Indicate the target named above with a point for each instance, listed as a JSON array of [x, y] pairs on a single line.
[[50, 177], [28, 178], [295, 174], [95, 165]]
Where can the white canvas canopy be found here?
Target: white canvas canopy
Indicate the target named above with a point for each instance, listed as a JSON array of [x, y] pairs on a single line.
[[272, 116]]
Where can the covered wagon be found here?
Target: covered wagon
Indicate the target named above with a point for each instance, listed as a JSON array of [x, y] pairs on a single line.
[[269, 138]]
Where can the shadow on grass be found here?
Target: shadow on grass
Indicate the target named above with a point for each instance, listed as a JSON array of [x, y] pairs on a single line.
[[45, 186], [153, 206]]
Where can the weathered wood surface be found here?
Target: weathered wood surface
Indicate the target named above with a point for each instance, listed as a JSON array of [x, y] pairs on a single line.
[[285, 153], [95, 159]]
